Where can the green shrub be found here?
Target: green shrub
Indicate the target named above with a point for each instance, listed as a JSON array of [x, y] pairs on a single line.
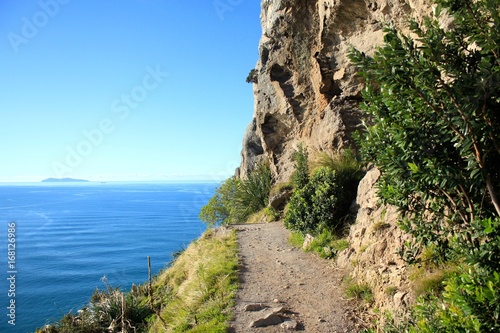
[[434, 134], [434, 109], [323, 202], [300, 177], [312, 207], [219, 209]]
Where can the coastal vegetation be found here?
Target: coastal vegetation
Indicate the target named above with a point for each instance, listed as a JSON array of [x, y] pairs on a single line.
[[195, 294], [433, 103], [324, 191], [237, 199]]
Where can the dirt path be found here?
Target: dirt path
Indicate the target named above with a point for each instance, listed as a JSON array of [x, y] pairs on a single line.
[[280, 283]]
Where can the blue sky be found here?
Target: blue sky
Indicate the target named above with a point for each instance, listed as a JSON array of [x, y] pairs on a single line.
[[125, 89]]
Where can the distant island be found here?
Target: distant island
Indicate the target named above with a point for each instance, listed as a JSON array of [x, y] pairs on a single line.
[[63, 180]]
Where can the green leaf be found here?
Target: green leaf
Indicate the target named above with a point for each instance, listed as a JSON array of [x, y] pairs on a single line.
[[413, 167]]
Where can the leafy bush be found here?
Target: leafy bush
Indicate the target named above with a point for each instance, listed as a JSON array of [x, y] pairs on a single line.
[[434, 108], [312, 207], [324, 199], [219, 209], [435, 137], [301, 175]]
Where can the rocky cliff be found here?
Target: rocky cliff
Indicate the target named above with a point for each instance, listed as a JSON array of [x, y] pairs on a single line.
[[306, 91], [305, 88]]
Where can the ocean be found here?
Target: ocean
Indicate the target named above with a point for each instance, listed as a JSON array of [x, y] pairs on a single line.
[[61, 241]]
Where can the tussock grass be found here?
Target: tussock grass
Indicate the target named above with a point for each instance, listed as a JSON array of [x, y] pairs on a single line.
[[343, 163], [197, 291], [296, 239], [359, 291], [280, 187], [428, 276], [429, 280], [326, 244]]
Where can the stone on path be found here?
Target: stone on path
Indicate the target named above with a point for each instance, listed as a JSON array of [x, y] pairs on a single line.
[[271, 319], [255, 307]]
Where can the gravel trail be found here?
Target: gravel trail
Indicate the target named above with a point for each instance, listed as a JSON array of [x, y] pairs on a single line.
[[284, 284]]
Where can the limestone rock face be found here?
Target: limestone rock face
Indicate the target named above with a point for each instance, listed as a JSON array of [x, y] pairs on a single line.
[[374, 242], [306, 90]]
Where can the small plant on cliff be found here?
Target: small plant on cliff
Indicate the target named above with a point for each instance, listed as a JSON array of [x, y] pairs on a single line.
[[360, 292], [253, 76]]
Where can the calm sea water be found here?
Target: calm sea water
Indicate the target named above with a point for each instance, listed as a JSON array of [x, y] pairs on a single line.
[[69, 236]]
